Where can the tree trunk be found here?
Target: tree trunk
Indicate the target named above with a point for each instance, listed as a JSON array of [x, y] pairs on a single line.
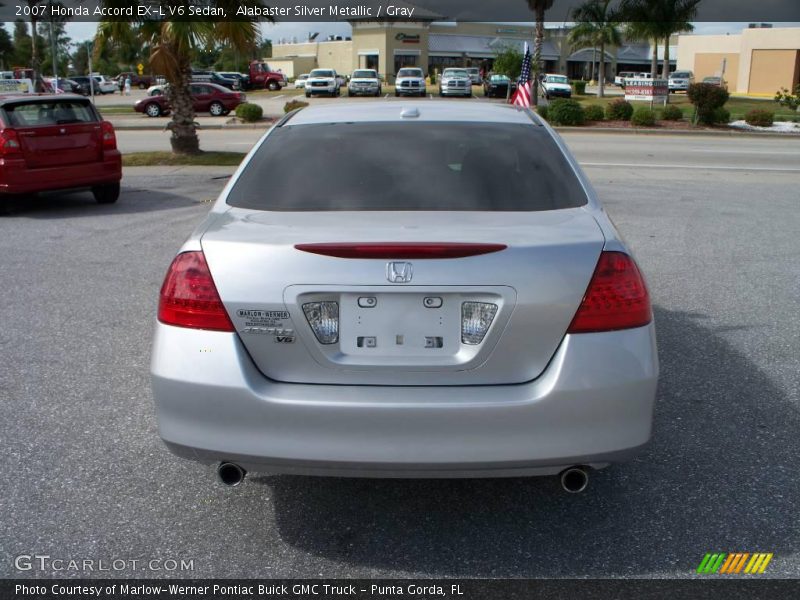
[[38, 82], [537, 55], [665, 72], [654, 61], [184, 131], [601, 75]]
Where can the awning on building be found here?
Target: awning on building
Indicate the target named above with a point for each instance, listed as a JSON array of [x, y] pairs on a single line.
[[444, 44], [589, 55], [643, 53]]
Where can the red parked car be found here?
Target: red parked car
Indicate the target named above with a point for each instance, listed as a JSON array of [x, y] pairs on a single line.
[[208, 97], [55, 142]]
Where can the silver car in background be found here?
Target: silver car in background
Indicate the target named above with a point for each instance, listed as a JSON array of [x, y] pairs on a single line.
[[455, 82], [458, 304]]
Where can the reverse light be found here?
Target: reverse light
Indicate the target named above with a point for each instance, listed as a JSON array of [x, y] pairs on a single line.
[[616, 298], [476, 318], [9, 143], [109, 137], [189, 297], [324, 320]]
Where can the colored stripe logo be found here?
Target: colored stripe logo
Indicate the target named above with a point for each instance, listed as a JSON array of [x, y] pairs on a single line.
[[735, 563]]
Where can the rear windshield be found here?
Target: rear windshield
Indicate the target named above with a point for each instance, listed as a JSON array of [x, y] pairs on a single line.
[[408, 167], [52, 112]]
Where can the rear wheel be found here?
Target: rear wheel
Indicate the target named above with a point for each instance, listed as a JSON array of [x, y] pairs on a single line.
[[273, 86], [142, 86], [216, 109], [106, 194], [152, 110], [308, 94]]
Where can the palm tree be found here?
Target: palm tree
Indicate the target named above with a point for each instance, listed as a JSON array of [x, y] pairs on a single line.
[[597, 25], [658, 20], [538, 7], [649, 31], [172, 46]]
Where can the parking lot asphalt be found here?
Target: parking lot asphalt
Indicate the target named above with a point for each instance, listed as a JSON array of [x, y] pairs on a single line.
[[86, 476]]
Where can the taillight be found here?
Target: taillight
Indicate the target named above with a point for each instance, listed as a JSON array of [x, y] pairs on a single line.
[[616, 298], [9, 143], [189, 297], [109, 137]]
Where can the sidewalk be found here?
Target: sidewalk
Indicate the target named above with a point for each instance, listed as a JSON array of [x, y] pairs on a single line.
[[142, 122]]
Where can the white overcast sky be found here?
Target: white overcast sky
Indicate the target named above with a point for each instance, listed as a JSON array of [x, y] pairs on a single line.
[[84, 31]]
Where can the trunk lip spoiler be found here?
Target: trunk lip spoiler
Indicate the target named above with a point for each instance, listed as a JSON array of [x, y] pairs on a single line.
[[398, 250]]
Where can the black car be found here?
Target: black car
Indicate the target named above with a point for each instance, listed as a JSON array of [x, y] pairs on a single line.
[[244, 80], [214, 77], [83, 84], [496, 86]]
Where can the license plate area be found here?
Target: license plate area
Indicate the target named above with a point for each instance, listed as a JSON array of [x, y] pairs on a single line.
[[428, 318], [409, 324]]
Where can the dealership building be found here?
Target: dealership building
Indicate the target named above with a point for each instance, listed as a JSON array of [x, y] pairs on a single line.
[[759, 60], [431, 43]]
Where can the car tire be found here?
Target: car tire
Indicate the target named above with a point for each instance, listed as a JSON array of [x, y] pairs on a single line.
[[142, 86], [152, 110], [396, 94], [308, 94], [106, 194], [216, 109], [273, 86]]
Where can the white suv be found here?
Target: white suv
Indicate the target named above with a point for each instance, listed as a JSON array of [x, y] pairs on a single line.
[[322, 81], [410, 82]]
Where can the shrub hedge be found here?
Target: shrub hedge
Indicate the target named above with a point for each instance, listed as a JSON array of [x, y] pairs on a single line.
[[671, 113], [619, 110], [643, 117], [293, 105], [760, 118], [249, 113], [563, 111], [707, 100], [593, 112]]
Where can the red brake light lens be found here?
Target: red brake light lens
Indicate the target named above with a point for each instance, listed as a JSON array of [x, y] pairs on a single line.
[[616, 298], [189, 297], [400, 250], [109, 137], [9, 143]]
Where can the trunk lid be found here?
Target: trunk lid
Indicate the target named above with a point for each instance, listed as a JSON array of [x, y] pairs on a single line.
[[402, 333]]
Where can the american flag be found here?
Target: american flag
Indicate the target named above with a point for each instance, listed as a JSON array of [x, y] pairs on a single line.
[[522, 97]]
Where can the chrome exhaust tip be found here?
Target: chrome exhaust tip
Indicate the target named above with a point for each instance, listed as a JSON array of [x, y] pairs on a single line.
[[574, 480], [230, 474]]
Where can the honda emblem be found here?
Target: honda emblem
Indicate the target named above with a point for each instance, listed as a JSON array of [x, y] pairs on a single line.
[[399, 272]]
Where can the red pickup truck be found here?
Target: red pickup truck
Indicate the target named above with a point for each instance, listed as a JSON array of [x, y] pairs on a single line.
[[262, 76]]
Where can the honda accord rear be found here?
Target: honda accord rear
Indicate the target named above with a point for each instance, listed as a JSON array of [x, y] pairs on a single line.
[[406, 290]]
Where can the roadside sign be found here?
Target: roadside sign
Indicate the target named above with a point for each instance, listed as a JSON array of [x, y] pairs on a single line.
[[649, 90], [16, 85]]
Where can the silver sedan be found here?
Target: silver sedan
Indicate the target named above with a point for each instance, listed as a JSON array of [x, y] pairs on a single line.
[[416, 289]]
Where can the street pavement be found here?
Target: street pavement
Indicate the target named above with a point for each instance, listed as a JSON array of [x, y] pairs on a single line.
[[86, 476]]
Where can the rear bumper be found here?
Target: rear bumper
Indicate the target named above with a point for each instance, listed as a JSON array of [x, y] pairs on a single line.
[[593, 405], [17, 178]]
